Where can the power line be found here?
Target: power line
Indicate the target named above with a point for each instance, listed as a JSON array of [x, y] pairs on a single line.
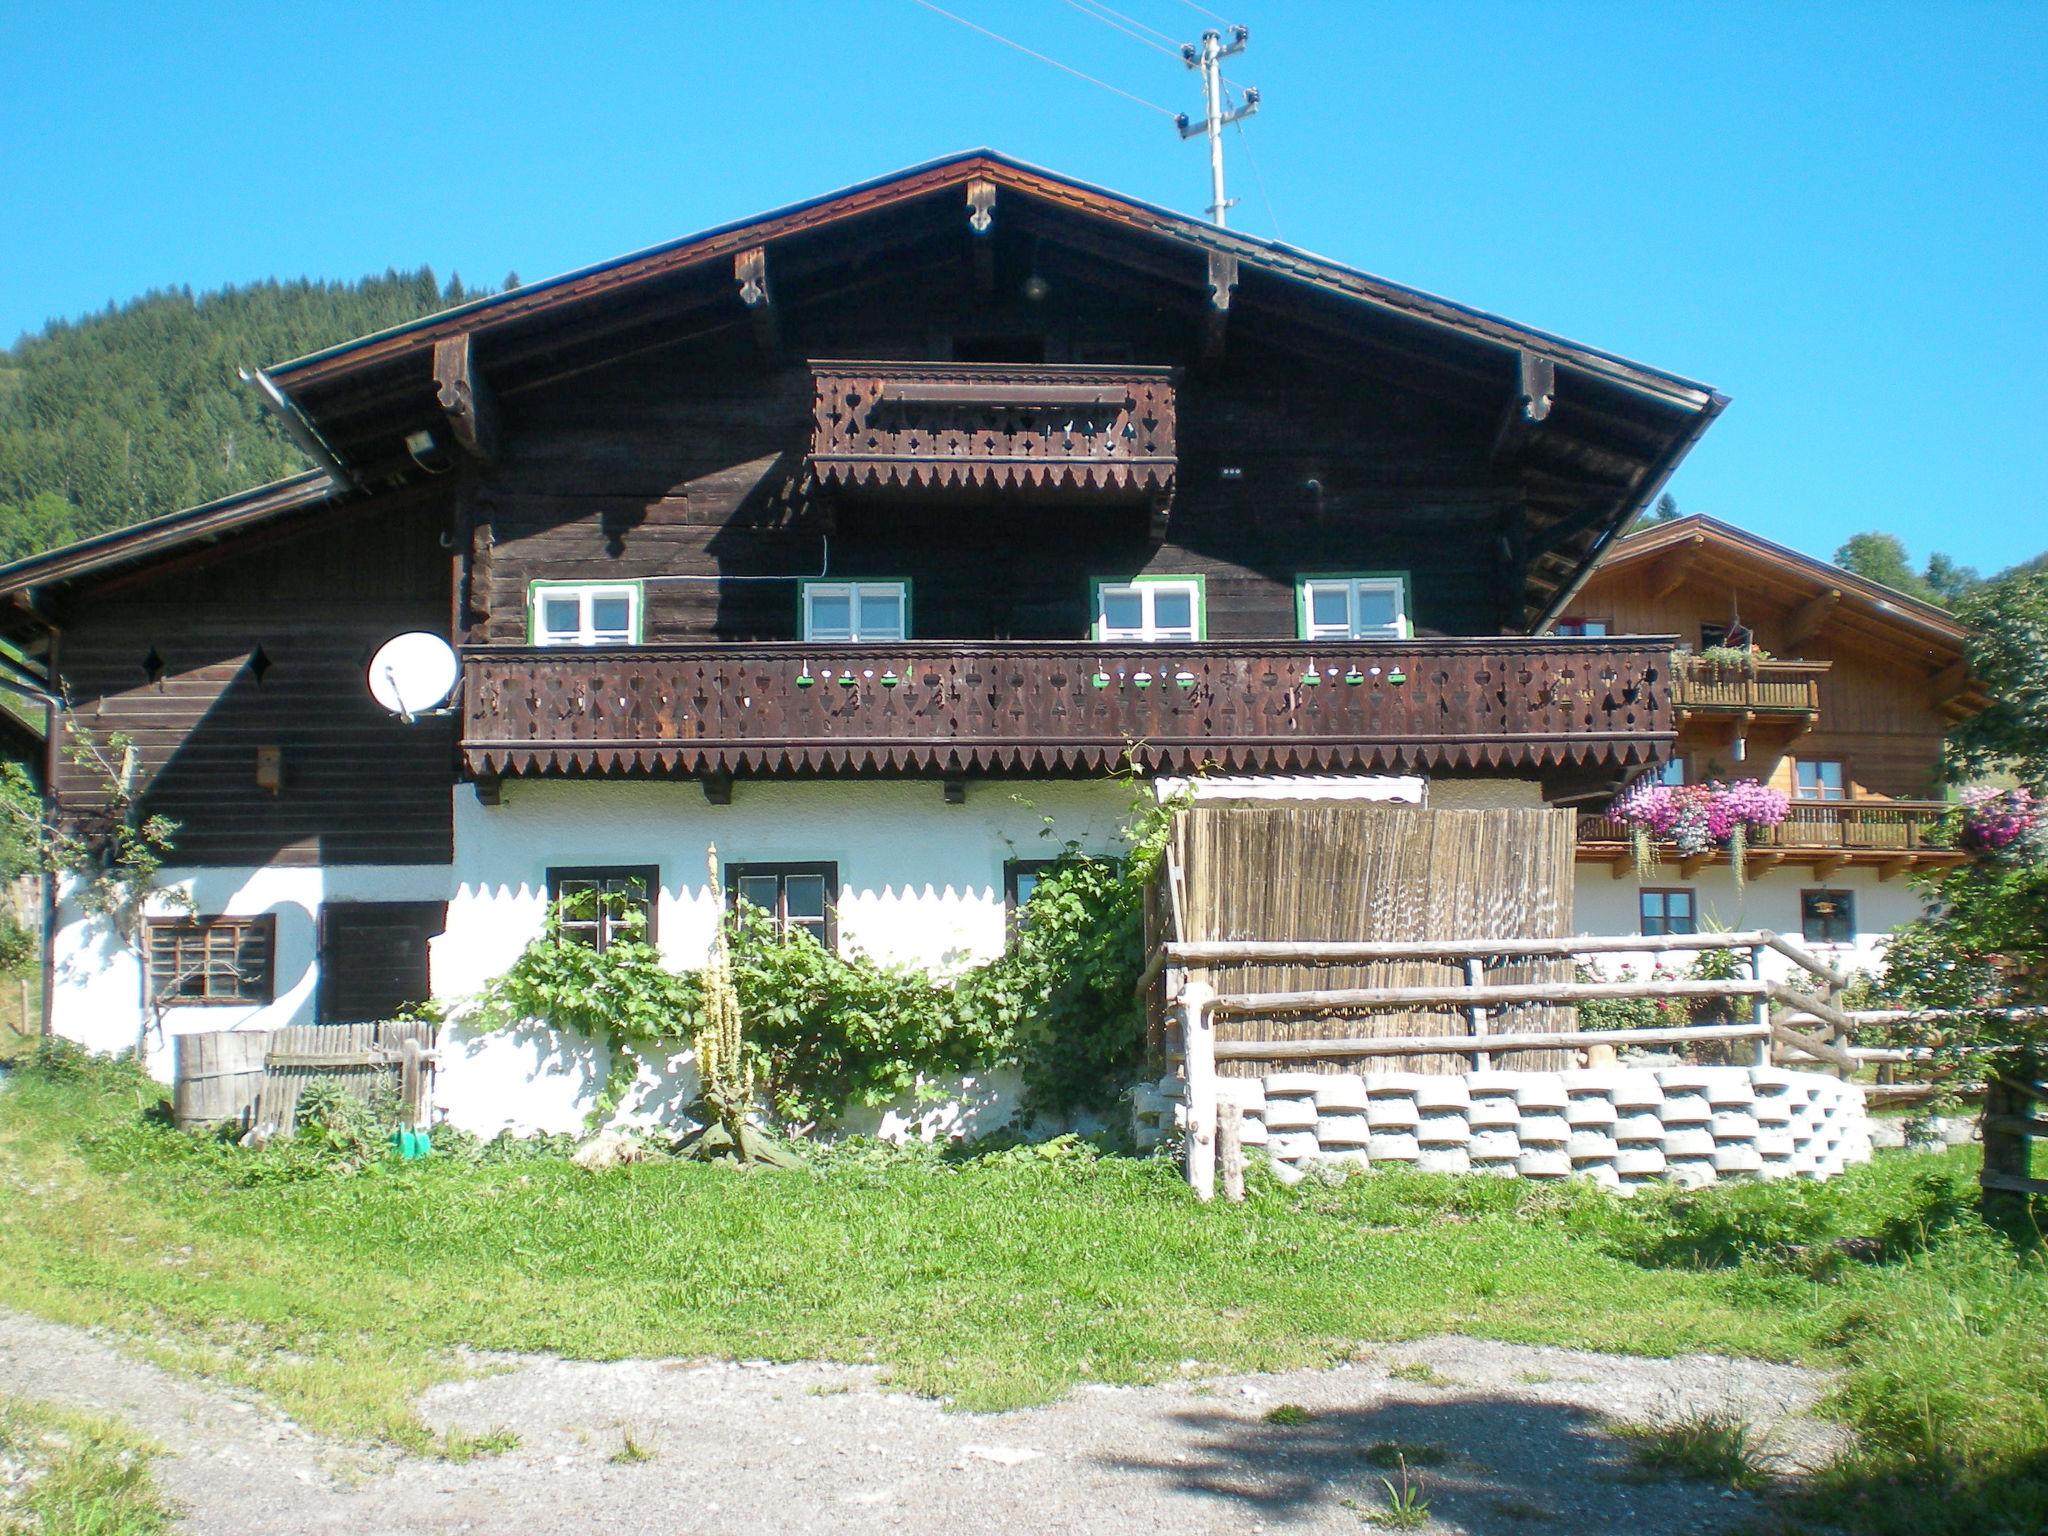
[[1190, 4], [1165, 37], [1044, 58], [1171, 53], [1259, 176]]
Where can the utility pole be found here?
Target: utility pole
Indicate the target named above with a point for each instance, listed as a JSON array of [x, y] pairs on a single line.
[[1208, 58]]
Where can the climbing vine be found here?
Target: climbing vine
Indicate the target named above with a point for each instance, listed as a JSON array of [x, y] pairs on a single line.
[[825, 1031]]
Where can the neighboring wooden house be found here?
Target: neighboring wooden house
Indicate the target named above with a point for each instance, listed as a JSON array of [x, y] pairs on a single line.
[[1101, 480], [1846, 718]]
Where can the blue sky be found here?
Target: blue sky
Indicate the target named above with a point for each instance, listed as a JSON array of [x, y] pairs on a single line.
[[1837, 214]]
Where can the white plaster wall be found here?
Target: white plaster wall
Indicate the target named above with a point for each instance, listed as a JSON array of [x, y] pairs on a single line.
[[98, 997], [1485, 795], [920, 881], [1604, 905]]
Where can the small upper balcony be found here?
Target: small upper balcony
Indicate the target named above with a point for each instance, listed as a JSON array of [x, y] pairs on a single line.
[[1095, 433], [1788, 691], [1891, 836]]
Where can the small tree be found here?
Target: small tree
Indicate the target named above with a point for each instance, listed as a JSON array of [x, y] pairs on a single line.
[[105, 843], [1983, 947]]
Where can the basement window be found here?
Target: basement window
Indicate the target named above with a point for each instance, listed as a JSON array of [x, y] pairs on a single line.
[[801, 898], [856, 610], [600, 904], [210, 961], [1364, 607], [1149, 608], [584, 613]]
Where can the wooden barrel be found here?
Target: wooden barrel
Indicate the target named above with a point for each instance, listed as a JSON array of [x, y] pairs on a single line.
[[219, 1074]]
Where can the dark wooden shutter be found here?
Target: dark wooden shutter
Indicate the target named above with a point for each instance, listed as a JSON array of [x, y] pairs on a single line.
[[373, 957]]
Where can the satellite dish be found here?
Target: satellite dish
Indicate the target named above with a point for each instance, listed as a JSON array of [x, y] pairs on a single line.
[[412, 673]]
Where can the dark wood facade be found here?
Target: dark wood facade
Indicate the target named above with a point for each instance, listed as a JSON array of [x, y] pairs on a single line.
[[211, 666], [1056, 387]]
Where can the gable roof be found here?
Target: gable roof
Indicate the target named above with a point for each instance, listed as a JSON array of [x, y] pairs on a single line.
[[1595, 444], [1733, 546]]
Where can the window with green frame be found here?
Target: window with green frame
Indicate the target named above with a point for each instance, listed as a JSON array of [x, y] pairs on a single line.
[[1149, 608], [584, 612], [1353, 605]]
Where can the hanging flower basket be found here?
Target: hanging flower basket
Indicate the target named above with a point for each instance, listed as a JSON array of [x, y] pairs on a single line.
[[1699, 818], [1993, 820]]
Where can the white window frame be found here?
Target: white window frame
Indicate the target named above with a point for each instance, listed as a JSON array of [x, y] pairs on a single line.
[[855, 593], [1147, 589], [586, 593], [1306, 588]]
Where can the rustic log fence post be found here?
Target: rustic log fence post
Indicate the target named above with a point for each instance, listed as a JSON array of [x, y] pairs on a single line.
[[2014, 1105], [1198, 1045], [1760, 1008], [1475, 1014], [1230, 1148]]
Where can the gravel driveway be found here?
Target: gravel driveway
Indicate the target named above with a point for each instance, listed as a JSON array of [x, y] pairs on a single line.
[[819, 1448]]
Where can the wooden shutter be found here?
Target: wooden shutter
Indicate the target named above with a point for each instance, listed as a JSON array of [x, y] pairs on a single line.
[[373, 957]]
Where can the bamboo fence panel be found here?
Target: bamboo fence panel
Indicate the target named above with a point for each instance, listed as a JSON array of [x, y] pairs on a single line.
[[1348, 872]]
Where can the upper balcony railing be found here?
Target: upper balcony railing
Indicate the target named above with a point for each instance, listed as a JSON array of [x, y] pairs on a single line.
[[1878, 828], [944, 707], [1093, 430], [1700, 686]]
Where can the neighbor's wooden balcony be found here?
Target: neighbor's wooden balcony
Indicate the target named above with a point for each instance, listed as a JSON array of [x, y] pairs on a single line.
[[1767, 688], [1091, 431], [1824, 835], [942, 707]]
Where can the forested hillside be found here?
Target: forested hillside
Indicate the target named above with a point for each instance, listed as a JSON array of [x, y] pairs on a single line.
[[138, 410]]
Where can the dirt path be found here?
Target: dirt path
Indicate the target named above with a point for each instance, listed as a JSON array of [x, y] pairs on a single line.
[[815, 1448]]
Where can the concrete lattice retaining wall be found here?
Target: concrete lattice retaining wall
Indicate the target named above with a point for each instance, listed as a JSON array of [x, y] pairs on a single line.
[[1621, 1126]]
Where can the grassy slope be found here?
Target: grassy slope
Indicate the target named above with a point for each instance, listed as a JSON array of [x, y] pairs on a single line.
[[1001, 1283]]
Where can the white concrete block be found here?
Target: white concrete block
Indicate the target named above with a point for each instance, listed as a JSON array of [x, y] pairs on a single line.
[[1639, 1162], [1544, 1163], [1592, 1147], [1443, 1130], [1495, 1145], [1541, 1090], [1773, 1143], [1291, 1146], [1606, 1175], [1690, 1172], [1640, 1125], [1686, 1109], [1686, 1079], [1395, 1083], [1340, 1092], [1252, 1133], [1734, 1125], [1730, 1087], [1288, 1113], [1444, 1159], [1294, 1083], [1342, 1130], [1638, 1089], [1601, 1081], [1688, 1141], [1436, 1093], [1393, 1147], [1546, 1130], [1737, 1157], [1387, 1113], [1586, 1109], [1493, 1110]]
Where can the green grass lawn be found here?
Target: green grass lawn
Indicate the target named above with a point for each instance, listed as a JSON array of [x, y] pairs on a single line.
[[1006, 1281], [71, 1474]]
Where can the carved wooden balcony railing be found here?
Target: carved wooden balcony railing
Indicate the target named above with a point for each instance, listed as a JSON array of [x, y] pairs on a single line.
[[1018, 707], [1892, 834], [1102, 432], [1766, 688]]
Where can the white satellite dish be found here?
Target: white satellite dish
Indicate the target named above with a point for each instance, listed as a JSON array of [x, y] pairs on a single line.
[[412, 673]]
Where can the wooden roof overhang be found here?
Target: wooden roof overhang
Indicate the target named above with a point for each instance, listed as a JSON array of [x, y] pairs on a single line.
[[1820, 597], [1582, 437]]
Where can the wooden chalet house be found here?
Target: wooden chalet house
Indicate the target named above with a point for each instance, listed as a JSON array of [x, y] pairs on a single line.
[[863, 540], [1844, 714]]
